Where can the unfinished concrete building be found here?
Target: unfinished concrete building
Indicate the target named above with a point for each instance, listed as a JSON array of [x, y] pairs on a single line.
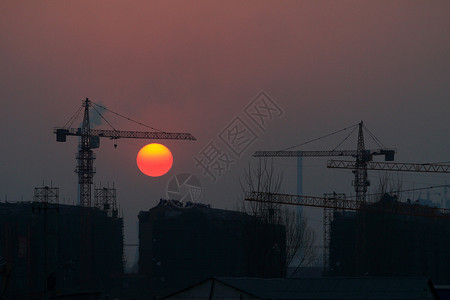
[[182, 244]]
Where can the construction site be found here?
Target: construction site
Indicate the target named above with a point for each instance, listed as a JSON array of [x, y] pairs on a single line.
[[61, 251], [50, 250], [224, 150]]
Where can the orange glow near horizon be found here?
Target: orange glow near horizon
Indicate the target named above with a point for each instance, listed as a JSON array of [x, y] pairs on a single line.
[[154, 160]]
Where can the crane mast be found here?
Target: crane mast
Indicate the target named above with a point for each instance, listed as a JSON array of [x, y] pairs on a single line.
[[361, 183], [85, 159], [90, 139]]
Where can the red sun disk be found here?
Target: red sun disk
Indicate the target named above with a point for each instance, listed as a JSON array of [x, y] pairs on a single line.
[[154, 160]]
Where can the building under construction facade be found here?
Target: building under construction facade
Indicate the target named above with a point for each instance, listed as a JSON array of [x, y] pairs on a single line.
[[52, 249], [183, 244], [410, 240]]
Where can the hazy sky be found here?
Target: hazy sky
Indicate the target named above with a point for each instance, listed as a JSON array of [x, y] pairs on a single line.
[[194, 66]]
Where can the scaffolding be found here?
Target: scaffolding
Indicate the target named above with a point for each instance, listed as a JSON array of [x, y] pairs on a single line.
[[46, 194], [105, 200]]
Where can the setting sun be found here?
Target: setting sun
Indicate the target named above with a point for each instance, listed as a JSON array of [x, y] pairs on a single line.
[[154, 160]]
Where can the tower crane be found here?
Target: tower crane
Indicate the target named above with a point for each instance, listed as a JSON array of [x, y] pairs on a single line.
[[335, 201], [363, 157], [339, 201], [90, 139]]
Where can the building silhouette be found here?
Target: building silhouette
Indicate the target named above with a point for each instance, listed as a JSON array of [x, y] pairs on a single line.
[[55, 249], [376, 243], [183, 244]]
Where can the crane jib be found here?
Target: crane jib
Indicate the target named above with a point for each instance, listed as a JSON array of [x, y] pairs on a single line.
[[62, 133], [367, 154]]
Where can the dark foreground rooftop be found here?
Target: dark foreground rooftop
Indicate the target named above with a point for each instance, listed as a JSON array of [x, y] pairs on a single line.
[[310, 288]]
